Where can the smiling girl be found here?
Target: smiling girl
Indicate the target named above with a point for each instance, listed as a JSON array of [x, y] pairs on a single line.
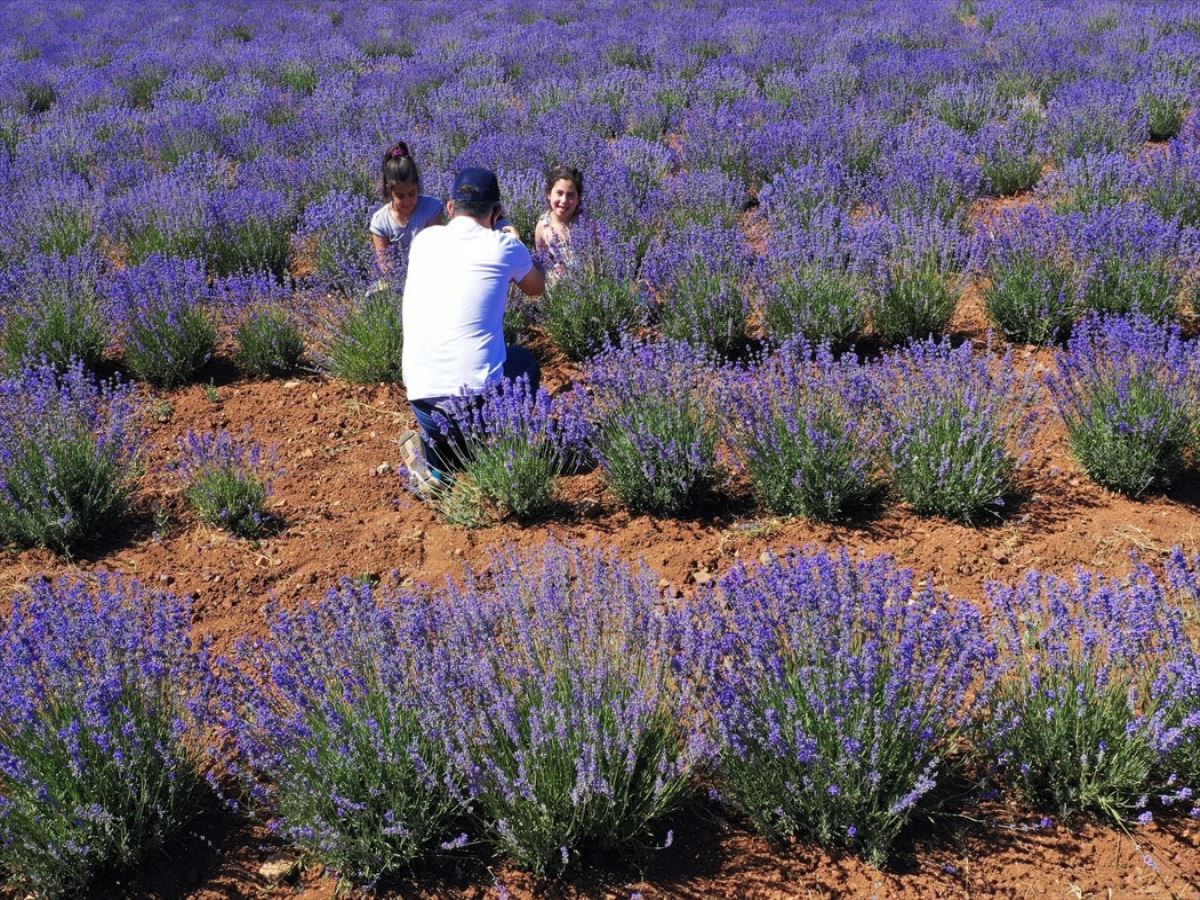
[[552, 236], [407, 211]]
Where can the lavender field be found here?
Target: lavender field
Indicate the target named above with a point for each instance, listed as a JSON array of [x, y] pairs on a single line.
[[851, 535]]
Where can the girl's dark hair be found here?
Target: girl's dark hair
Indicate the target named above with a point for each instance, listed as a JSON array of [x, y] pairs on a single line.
[[568, 173], [398, 168]]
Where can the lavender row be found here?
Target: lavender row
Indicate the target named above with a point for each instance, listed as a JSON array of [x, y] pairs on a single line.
[[945, 429], [559, 707]]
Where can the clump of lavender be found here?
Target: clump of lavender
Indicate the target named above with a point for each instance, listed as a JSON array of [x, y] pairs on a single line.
[[1163, 97], [927, 173], [653, 434], [1031, 292], [1089, 183], [168, 216], [269, 341], [227, 480], [801, 423], [368, 344], [808, 281], [1126, 389], [253, 232], [703, 197], [1011, 159], [967, 106], [914, 267], [103, 692], [700, 276], [839, 692], [574, 731], [1094, 116], [67, 448], [512, 445], [331, 230], [1170, 183], [340, 732], [1132, 261], [953, 419], [167, 333], [51, 310], [1090, 709], [596, 298]]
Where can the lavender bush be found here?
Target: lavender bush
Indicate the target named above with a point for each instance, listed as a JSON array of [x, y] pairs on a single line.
[[652, 432], [1132, 261], [341, 736], [167, 333], [51, 310], [512, 445], [1094, 115], [269, 342], [1090, 708], [808, 282], [596, 299], [700, 274], [1126, 390], [1011, 159], [914, 268], [1031, 292], [1089, 183], [801, 422], [99, 740], [369, 342], [953, 420], [67, 447], [571, 732], [838, 691], [227, 480], [1170, 183]]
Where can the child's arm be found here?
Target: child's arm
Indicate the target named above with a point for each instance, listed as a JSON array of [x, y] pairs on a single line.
[[539, 237], [381, 251]]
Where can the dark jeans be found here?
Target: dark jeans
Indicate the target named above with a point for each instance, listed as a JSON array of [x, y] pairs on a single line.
[[440, 449]]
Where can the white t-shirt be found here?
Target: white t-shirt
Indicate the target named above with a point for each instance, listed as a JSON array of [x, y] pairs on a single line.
[[385, 225], [453, 307]]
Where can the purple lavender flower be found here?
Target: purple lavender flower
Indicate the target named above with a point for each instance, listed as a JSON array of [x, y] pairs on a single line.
[[653, 434], [51, 310], [1131, 261], [103, 696], [1031, 294], [340, 731], [227, 480], [166, 330], [1094, 115], [837, 689], [573, 728], [913, 266], [1125, 389], [1100, 675], [698, 275], [512, 444], [801, 422], [956, 423], [67, 446]]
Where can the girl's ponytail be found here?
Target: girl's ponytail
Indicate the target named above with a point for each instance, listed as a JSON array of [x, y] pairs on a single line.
[[398, 168]]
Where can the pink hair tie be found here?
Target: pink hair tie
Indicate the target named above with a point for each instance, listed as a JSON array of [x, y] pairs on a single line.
[[398, 152]]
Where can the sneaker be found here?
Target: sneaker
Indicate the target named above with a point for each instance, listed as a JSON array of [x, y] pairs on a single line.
[[426, 481]]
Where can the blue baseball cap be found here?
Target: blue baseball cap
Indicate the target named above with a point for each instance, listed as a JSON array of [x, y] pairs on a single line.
[[476, 186]]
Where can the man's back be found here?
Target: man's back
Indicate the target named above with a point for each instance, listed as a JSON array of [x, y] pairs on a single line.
[[453, 307]]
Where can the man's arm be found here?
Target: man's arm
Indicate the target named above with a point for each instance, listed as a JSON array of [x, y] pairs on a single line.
[[534, 282]]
